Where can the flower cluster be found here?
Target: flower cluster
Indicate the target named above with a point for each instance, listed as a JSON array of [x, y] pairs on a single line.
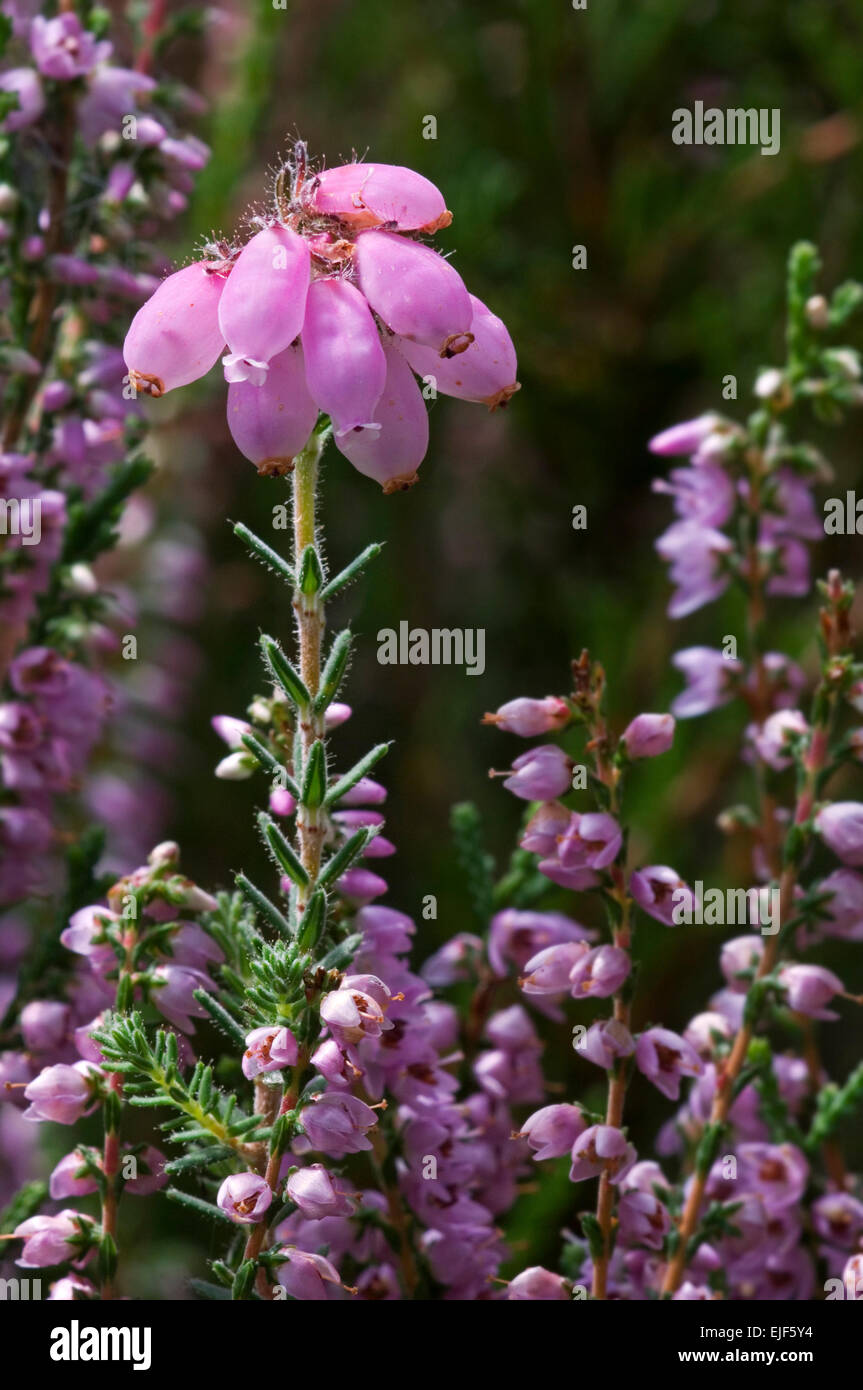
[[331, 306]]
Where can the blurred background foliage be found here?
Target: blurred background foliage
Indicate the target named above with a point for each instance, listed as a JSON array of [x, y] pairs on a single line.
[[553, 130]]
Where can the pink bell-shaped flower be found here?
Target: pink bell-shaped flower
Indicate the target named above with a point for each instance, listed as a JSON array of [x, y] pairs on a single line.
[[392, 454], [345, 364], [271, 423], [175, 337], [485, 372], [415, 291], [367, 195], [262, 309]]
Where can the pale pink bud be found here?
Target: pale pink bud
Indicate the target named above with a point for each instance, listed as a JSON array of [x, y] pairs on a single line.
[[314, 1193], [530, 718], [809, 988], [271, 423], [537, 1284], [541, 774], [648, 735], [772, 739], [552, 1131], [366, 195], [415, 291], [485, 372], [739, 959], [65, 1180], [549, 970], [49, 1240], [61, 1093], [392, 454], [841, 827], [261, 311], [175, 337], [345, 364]]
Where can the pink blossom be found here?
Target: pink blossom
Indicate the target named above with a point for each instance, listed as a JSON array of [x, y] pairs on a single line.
[[416, 292], [665, 1058], [530, 718], [599, 973], [601, 1148], [263, 303], [175, 337], [648, 735], [63, 49], [49, 1240], [270, 423], [269, 1049], [245, 1197], [368, 195], [537, 1283], [314, 1193], [61, 1093], [346, 369], [809, 988], [540, 774], [552, 1131], [391, 453]]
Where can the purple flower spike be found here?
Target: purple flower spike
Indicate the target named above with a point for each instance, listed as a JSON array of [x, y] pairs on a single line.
[[346, 369], [392, 453], [484, 373], [272, 422], [175, 337], [244, 1197], [264, 302], [415, 291], [367, 195]]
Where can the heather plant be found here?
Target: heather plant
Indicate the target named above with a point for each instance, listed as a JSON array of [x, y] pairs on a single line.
[[340, 1126], [758, 1204], [326, 1024]]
